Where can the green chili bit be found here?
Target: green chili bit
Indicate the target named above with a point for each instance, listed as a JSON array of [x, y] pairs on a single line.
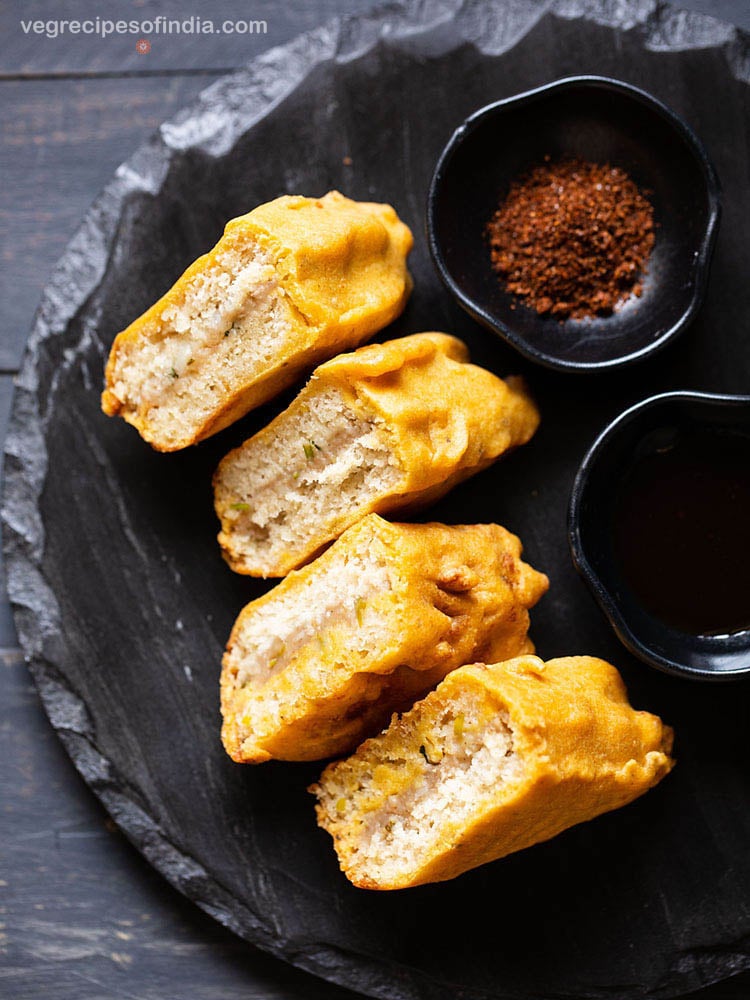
[[310, 447], [281, 649], [242, 507], [173, 373]]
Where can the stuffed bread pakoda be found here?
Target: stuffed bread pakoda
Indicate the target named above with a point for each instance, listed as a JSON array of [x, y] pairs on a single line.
[[385, 428], [495, 759], [323, 659], [293, 282]]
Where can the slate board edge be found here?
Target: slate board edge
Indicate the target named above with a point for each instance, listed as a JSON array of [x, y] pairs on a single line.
[[262, 84]]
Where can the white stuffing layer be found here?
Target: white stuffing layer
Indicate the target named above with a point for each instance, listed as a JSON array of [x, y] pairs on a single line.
[[274, 634]]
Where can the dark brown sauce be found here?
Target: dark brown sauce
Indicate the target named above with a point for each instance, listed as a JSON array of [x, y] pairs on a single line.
[[682, 531]]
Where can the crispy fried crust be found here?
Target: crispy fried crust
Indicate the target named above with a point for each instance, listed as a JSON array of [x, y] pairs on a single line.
[[339, 271], [580, 750], [444, 420], [455, 594]]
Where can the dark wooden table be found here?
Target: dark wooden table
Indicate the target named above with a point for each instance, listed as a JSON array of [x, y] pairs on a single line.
[[83, 916]]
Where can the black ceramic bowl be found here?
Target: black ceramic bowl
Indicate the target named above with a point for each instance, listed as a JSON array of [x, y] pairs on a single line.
[[602, 120], [638, 432]]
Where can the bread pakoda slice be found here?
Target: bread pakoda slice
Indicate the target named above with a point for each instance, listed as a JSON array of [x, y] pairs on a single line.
[[325, 657], [383, 429], [497, 758], [293, 282]]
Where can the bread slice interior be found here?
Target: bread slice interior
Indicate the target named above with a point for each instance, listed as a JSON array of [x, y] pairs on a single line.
[[418, 784], [223, 332], [332, 618], [319, 465]]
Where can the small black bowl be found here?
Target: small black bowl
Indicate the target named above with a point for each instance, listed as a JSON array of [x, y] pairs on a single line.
[[649, 427], [601, 120]]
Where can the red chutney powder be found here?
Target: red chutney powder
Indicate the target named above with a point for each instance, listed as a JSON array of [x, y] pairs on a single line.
[[572, 238]]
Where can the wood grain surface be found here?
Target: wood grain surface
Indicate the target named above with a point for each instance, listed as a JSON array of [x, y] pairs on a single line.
[[83, 916]]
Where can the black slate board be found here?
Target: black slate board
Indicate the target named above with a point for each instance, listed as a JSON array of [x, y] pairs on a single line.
[[123, 603]]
